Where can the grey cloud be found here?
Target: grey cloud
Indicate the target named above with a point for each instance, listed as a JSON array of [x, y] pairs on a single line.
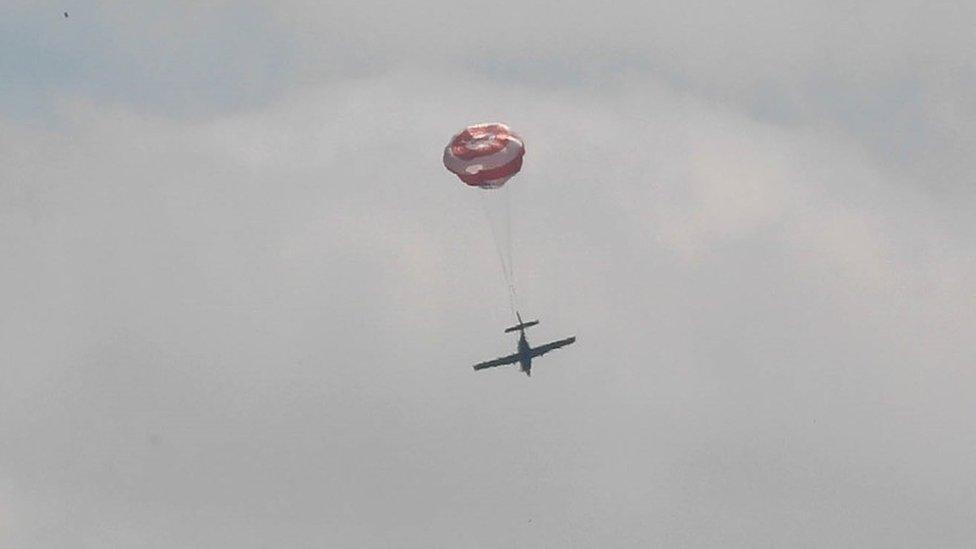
[[895, 75], [188, 61]]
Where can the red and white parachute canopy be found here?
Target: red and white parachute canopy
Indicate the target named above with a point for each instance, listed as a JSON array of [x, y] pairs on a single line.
[[485, 155]]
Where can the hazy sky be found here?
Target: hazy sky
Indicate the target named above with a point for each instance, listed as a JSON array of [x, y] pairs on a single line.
[[241, 295]]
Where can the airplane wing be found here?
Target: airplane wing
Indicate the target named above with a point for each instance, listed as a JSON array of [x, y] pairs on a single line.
[[543, 349], [510, 359]]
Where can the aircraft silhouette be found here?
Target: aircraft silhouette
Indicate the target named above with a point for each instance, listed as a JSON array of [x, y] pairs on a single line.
[[525, 352]]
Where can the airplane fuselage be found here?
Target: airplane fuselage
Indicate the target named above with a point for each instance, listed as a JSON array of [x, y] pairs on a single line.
[[525, 354]]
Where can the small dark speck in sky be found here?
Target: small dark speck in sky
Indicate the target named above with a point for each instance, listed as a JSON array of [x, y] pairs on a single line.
[[65, 15]]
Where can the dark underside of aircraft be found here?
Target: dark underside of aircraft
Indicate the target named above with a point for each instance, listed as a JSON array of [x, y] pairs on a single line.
[[525, 353]]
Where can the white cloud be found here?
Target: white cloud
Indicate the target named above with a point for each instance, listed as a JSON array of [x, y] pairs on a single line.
[[253, 327]]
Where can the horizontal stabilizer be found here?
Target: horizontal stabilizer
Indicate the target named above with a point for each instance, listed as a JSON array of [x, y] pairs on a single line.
[[521, 326]]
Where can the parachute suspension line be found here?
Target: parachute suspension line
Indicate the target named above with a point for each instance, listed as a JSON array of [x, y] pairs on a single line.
[[508, 236], [500, 223], [510, 279]]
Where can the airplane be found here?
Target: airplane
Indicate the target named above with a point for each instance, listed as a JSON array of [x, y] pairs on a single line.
[[525, 352]]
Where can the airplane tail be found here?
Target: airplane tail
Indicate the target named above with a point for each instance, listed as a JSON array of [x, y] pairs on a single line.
[[521, 325]]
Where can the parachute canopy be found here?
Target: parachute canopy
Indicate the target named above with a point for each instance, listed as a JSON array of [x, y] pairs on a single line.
[[485, 155]]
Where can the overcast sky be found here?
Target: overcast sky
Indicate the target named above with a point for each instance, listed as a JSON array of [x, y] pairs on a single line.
[[240, 295]]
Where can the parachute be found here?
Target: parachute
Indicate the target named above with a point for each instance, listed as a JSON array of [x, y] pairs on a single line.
[[486, 156]]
